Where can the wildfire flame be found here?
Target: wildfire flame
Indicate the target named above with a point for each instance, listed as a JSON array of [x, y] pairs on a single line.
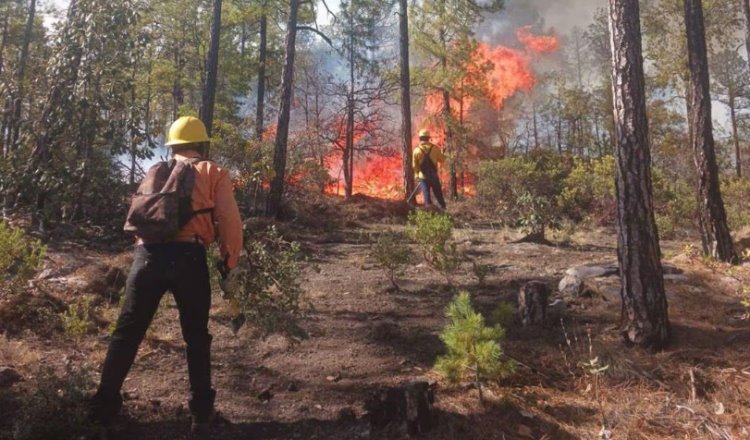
[[509, 72]]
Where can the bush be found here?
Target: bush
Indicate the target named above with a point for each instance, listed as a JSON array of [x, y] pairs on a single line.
[[392, 254], [524, 190], [589, 191], [674, 206], [474, 351], [267, 288], [20, 257], [56, 408], [433, 233], [735, 194]]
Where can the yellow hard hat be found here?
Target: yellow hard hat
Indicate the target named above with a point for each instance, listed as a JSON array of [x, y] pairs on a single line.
[[424, 133], [187, 130]]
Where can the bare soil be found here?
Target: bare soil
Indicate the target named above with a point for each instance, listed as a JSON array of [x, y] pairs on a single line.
[[364, 335]]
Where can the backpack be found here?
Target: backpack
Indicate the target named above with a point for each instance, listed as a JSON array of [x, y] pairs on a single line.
[[163, 203], [427, 166]]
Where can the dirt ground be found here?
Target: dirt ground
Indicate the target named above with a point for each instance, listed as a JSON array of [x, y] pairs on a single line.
[[364, 336]]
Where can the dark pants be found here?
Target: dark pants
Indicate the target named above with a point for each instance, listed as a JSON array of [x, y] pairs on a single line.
[[434, 184], [180, 268]]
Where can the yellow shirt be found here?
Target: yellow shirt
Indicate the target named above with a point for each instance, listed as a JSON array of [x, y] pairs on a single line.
[[436, 155]]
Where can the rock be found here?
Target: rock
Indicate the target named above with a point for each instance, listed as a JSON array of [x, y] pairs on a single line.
[[406, 409], [525, 431], [677, 278], [334, 378], [571, 285], [532, 303], [9, 377], [593, 270]]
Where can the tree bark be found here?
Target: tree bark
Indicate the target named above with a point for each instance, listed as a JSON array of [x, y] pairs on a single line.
[[712, 217], [349, 144], [746, 12], [260, 107], [406, 136], [644, 304], [282, 132], [212, 69]]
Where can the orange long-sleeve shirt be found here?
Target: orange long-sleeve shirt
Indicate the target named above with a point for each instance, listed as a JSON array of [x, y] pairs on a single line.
[[213, 189]]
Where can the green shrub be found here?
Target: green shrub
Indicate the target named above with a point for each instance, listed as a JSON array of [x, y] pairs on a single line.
[[433, 233], [674, 205], [392, 254], [77, 319], [735, 193], [589, 191], [268, 285], [20, 257], [524, 190], [474, 351], [56, 408]]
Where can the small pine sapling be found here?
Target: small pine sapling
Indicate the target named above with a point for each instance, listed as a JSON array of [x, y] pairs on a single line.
[[392, 254], [77, 319], [474, 350]]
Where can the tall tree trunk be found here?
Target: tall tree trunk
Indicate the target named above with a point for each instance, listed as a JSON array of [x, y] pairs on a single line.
[[644, 304], [735, 136], [536, 130], [406, 135], [276, 191], [712, 217], [15, 122], [177, 94], [212, 69], [349, 145], [746, 11], [260, 107]]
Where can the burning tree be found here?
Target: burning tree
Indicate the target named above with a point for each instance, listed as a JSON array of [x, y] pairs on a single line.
[[444, 35]]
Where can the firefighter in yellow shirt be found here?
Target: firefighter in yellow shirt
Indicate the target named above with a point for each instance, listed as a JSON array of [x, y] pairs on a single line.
[[425, 162]]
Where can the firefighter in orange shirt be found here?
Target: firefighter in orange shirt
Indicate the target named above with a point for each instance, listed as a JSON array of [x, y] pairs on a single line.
[[177, 264]]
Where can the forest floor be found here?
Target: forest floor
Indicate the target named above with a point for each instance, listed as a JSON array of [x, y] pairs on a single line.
[[363, 335]]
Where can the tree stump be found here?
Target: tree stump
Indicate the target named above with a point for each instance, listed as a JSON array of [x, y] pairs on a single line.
[[532, 303], [406, 409]]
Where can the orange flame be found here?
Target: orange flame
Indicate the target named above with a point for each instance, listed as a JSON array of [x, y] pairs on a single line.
[[509, 72], [538, 44]]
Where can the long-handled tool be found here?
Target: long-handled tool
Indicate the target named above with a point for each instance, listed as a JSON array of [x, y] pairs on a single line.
[[413, 193]]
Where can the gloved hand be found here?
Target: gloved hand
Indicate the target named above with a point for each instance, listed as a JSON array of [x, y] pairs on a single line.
[[230, 284]]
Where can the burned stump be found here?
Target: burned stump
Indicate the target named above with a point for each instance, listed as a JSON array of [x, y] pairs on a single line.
[[404, 409], [532, 303]]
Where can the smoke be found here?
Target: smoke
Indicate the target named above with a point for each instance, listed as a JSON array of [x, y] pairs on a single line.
[[561, 16]]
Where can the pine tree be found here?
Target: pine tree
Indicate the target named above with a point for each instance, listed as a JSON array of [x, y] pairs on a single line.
[[644, 303], [474, 350]]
